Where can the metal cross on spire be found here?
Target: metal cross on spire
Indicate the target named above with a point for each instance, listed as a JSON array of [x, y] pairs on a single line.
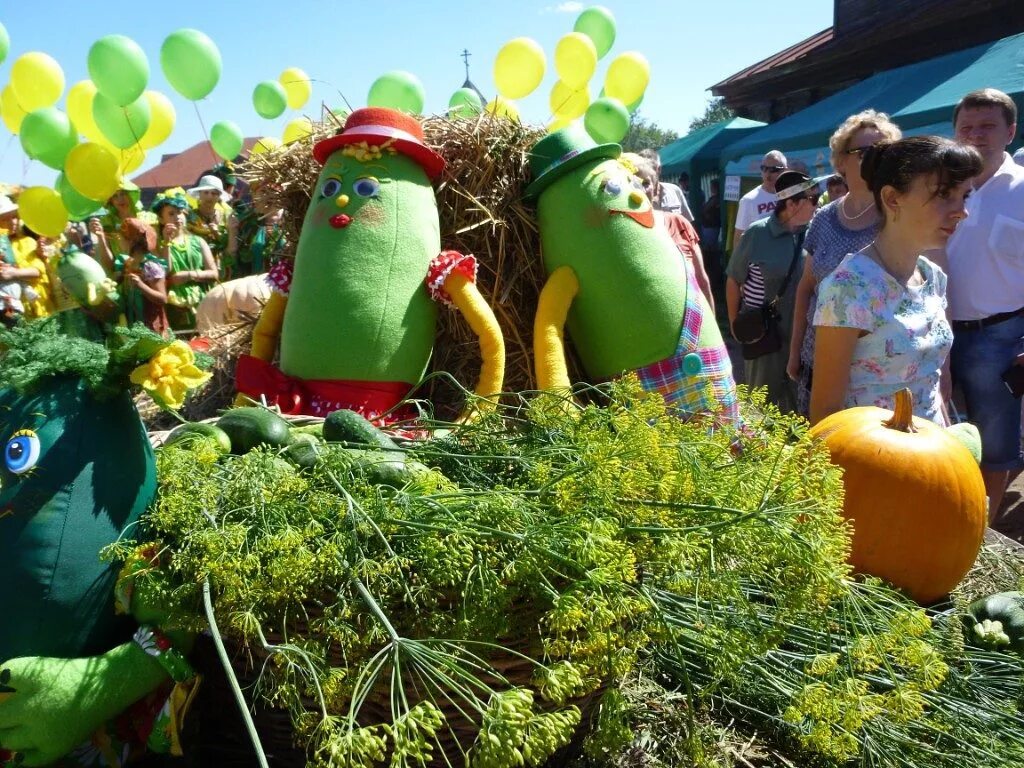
[[465, 57]]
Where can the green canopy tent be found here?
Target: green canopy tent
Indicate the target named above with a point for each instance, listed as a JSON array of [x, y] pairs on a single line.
[[698, 153], [916, 96]]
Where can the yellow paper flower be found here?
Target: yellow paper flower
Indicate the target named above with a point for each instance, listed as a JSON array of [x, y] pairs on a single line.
[[170, 374]]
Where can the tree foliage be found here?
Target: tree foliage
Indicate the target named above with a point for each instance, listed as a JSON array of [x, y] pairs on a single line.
[[644, 134], [714, 112]]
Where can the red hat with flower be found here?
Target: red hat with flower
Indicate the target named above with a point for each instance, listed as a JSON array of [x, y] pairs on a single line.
[[378, 125]]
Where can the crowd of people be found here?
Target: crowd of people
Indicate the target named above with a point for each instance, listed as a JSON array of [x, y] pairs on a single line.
[[912, 276], [163, 260]]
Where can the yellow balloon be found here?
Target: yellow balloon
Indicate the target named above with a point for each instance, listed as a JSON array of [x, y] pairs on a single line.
[[161, 120], [298, 128], [131, 159], [43, 211], [519, 67], [264, 145], [558, 124], [93, 170], [10, 110], [80, 96], [568, 103], [502, 107], [627, 77], [38, 80], [575, 59], [297, 87]]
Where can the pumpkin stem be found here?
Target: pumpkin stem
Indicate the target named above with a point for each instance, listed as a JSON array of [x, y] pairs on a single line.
[[903, 412]]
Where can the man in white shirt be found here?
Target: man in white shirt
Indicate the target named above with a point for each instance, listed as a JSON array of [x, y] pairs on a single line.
[[668, 197], [760, 201], [986, 287]]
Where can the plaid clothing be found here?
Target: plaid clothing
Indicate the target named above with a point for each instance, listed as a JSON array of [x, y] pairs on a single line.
[[713, 389]]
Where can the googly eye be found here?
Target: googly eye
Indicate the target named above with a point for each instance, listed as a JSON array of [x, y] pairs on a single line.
[[330, 188], [21, 452], [613, 186], [367, 187]]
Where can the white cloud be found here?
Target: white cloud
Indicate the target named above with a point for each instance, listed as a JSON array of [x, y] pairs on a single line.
[[571, 7]]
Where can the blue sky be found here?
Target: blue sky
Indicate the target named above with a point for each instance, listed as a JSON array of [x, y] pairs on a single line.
[[344, 46]]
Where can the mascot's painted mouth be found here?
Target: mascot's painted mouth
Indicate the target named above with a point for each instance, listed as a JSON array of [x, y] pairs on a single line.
[[643, 218], [340, 221]]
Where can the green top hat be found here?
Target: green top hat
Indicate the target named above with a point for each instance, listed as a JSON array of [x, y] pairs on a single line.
[[558, 153]]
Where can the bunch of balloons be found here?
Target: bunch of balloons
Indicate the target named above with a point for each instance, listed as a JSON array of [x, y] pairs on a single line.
[[118, 118], [520, 65]]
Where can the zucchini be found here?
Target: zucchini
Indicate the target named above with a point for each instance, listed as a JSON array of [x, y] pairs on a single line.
[[249, 427], [997, 621], [188, 433]]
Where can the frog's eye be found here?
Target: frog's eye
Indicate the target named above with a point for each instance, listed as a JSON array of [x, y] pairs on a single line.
[[613, 186], [330, 188], [21, 452], [366, 187]]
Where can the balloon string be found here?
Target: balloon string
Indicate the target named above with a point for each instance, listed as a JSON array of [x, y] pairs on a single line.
[[202, 125], [7, 147], [336, 88]]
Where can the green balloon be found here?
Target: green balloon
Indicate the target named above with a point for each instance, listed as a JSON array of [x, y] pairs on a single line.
[[606, 120], [123, 126], [465, 102], [78, 205], [47, 135], [119, 68], [226, 138], [598, 24], [5, 43], [269, 99], [191, 63], [398, 90]]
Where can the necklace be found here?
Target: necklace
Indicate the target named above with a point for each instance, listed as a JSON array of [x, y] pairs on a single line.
[[867, 208], [910, 280]]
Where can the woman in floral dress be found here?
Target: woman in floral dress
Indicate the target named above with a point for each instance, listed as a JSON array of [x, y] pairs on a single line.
[[880, 320]]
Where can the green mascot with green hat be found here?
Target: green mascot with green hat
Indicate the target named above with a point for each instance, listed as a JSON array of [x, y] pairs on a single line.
[[619, 283], [76, 472], [355, 315]]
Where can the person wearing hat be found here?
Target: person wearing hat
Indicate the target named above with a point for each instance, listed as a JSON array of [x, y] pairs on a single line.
[[209, 219], [23, 262], [105, 226], [617, 280], [191, 267], [355, 314], [763, 272]]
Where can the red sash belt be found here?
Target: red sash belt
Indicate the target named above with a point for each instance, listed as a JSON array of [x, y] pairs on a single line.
[[319, 397]]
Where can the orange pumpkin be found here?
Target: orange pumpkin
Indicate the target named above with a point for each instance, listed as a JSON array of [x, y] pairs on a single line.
[[913, 494]]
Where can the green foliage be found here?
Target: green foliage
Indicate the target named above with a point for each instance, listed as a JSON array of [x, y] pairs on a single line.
[[511, 585], [645, 134], [714, 112]]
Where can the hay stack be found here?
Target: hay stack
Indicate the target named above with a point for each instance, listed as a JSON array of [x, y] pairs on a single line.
[[479, 200]]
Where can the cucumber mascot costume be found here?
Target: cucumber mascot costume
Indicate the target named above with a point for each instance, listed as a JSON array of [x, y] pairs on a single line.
[[619, 283], [355, 316], [76, 472]]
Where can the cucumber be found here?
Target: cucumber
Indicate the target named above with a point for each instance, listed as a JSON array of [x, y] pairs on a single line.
[[304, 450], [349, 427], [1006, 608], [249, 427], [316, 430], [187, 433]]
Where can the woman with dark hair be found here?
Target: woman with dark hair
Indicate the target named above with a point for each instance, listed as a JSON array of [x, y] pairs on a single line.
[[880, 321], [764, 271]]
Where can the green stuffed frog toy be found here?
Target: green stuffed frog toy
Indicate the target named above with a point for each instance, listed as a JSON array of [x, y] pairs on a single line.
[[76, 472], [355, 316], [619, 283]]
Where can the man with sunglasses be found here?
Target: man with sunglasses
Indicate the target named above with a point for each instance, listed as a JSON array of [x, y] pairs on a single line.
[[760, 201]]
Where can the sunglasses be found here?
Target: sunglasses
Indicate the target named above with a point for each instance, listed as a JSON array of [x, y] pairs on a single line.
[[773, 168], [859, 151]]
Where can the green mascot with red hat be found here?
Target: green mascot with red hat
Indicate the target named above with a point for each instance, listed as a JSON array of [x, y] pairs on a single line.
[[355, 315], [619, 283]]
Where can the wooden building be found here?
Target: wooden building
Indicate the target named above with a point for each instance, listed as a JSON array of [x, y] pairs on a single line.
[[866, 37]]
